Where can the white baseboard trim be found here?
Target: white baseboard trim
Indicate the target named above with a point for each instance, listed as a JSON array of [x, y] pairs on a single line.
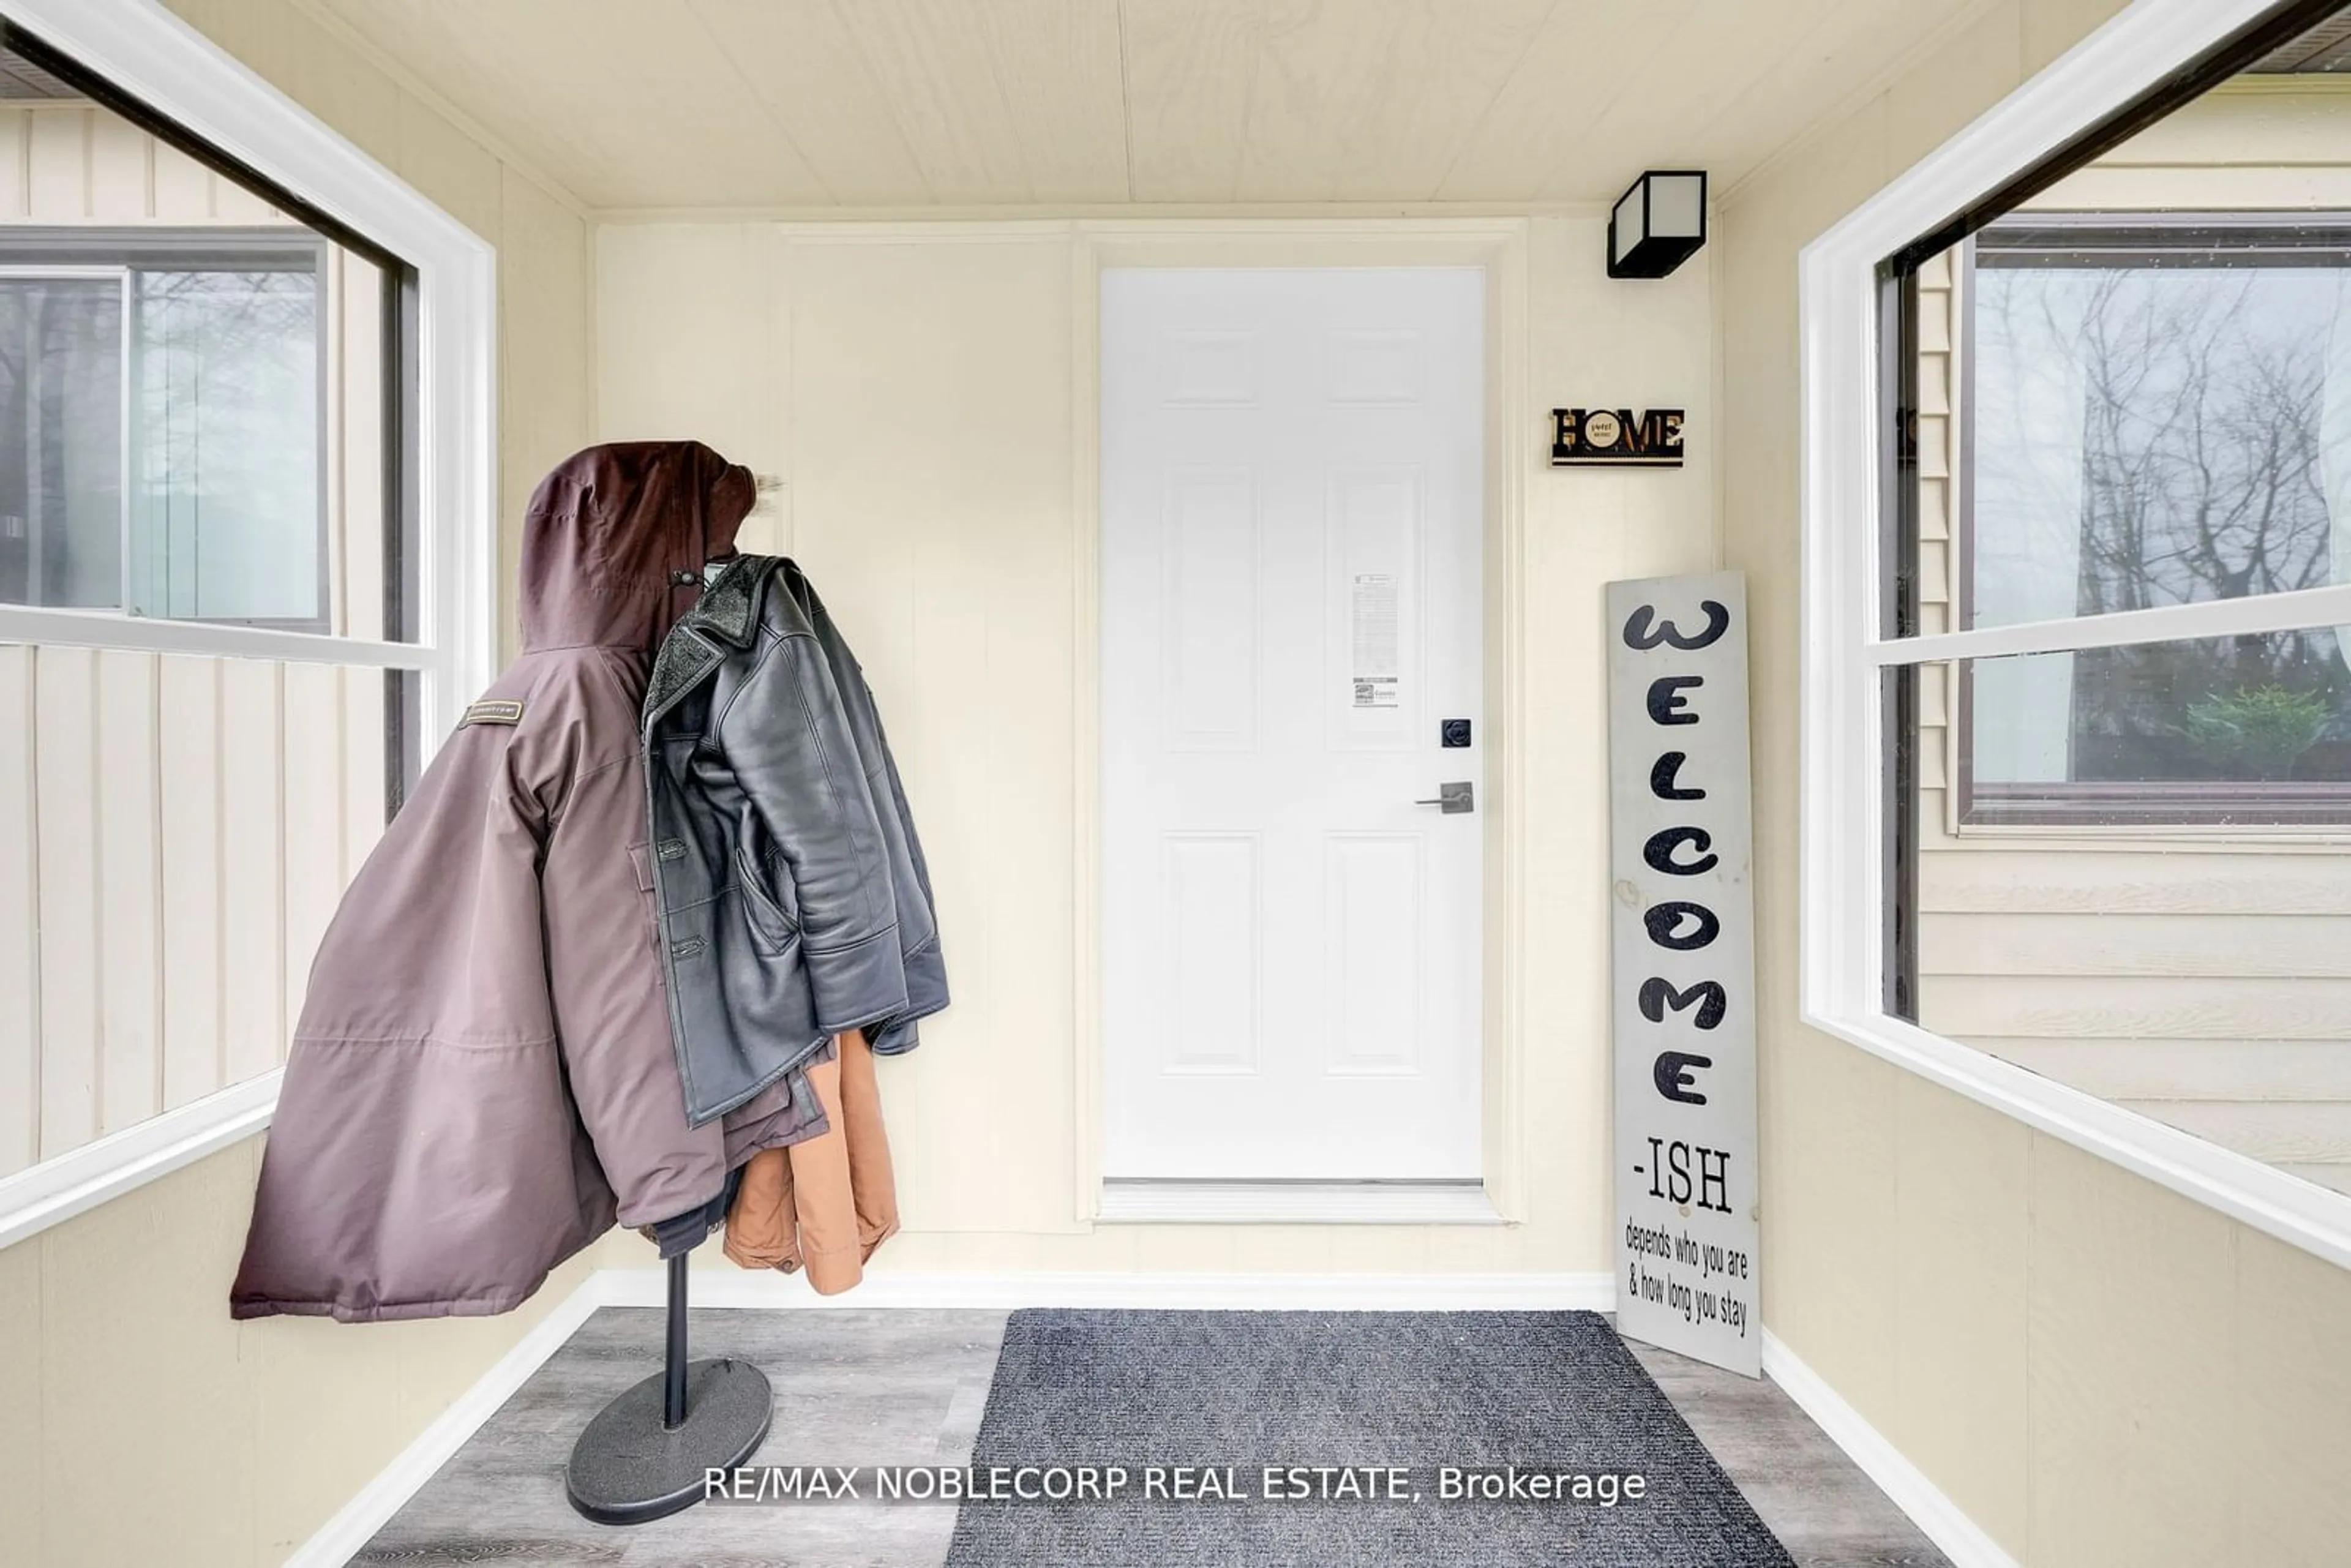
[[1009, 1290], [1940, 1519], [367, 1511]]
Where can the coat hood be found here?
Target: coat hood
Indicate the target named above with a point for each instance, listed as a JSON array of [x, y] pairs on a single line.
[[615, 538]]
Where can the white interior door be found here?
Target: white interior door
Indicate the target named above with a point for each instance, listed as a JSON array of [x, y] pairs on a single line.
[[1292, 520]]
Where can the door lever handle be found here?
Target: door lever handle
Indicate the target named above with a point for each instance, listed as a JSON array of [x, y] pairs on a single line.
[[1453, 800]]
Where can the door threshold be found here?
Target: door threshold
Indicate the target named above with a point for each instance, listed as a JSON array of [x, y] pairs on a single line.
[[1163, 1201]]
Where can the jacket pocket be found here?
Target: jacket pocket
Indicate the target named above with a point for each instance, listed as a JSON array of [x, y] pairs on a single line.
[[772, 924]]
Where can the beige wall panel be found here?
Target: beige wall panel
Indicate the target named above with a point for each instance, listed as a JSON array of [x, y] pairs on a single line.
[[310, 819], [253, 893], [21, 1347], [129, 881], [2270, 119], [2053, 27], [2011, 876], [1582, 528], [2315, 1132], [65, 748], [2132, 1308], [2022, 942], [188, 746], [136, 1337], [925, 405], [326, 1406], [1962, 1180], [364, 767], [450, 167], [2133, 1452], [2333, 1178], [1831, 1205], [20, 918], [2291, 1419], [14, 131], [1190, 67], [440, 1358], [1973, 66], [2190, 1069], [336, 83], [945, 543], [2132, 1008], [2213, 188], [357, 437], [120, 169], [184, 187], [544, 397], [232, 202], [57, 163], [115, 1322], [677, 352]]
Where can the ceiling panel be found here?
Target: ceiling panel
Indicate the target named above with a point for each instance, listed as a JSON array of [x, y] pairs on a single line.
[[804, 67], [1442, 75], [858, 103], [1190, 68], [1058, 61]]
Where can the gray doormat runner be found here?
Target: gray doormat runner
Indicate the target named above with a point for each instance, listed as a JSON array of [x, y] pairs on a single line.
[[1554, 1394]]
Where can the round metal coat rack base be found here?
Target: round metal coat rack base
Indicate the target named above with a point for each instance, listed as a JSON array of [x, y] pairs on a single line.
[[627, 1468]]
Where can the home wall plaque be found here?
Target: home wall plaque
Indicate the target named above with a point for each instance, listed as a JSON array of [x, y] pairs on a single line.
[[1615, 437]]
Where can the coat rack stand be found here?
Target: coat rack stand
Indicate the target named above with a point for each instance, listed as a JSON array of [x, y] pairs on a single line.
[[645, 1455]]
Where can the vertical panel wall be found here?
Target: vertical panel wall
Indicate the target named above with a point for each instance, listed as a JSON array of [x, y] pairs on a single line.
[[117, 1319], [923, 389], [184, 824], [2096, 1369]]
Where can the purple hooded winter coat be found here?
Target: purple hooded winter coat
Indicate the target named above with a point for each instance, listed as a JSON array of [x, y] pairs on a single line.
[[483, 1076]]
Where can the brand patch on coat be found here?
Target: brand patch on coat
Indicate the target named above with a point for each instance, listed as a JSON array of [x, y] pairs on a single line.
[[492, 710]]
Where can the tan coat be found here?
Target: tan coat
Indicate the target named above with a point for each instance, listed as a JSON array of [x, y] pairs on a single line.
[[828, 1202]]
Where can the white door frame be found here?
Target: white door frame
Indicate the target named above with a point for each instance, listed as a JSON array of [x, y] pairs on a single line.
[[1498, 245]]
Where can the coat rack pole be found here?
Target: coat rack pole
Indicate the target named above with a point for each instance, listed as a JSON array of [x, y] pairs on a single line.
[[673, 1360], [645, 1453]]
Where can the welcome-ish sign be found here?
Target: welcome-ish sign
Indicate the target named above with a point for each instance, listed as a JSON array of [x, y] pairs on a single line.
[[1684, 947]]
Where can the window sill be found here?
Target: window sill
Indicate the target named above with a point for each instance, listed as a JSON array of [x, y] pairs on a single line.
[[2293, 1211], [81, 1180]]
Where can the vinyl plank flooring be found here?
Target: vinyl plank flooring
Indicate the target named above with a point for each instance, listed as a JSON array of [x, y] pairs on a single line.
[[853, 1386], [899, 1385], [1823, 1510]]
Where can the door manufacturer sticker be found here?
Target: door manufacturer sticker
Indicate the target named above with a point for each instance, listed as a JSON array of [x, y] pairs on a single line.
[[1375, 640]]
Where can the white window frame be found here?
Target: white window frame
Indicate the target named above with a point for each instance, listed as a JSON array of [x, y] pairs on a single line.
[[1842, 897], [154, 57]]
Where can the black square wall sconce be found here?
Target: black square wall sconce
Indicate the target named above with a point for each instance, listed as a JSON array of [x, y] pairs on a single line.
[[1657, 225]]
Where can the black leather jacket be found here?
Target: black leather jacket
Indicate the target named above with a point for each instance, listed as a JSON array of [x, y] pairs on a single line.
[[793, 897]]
